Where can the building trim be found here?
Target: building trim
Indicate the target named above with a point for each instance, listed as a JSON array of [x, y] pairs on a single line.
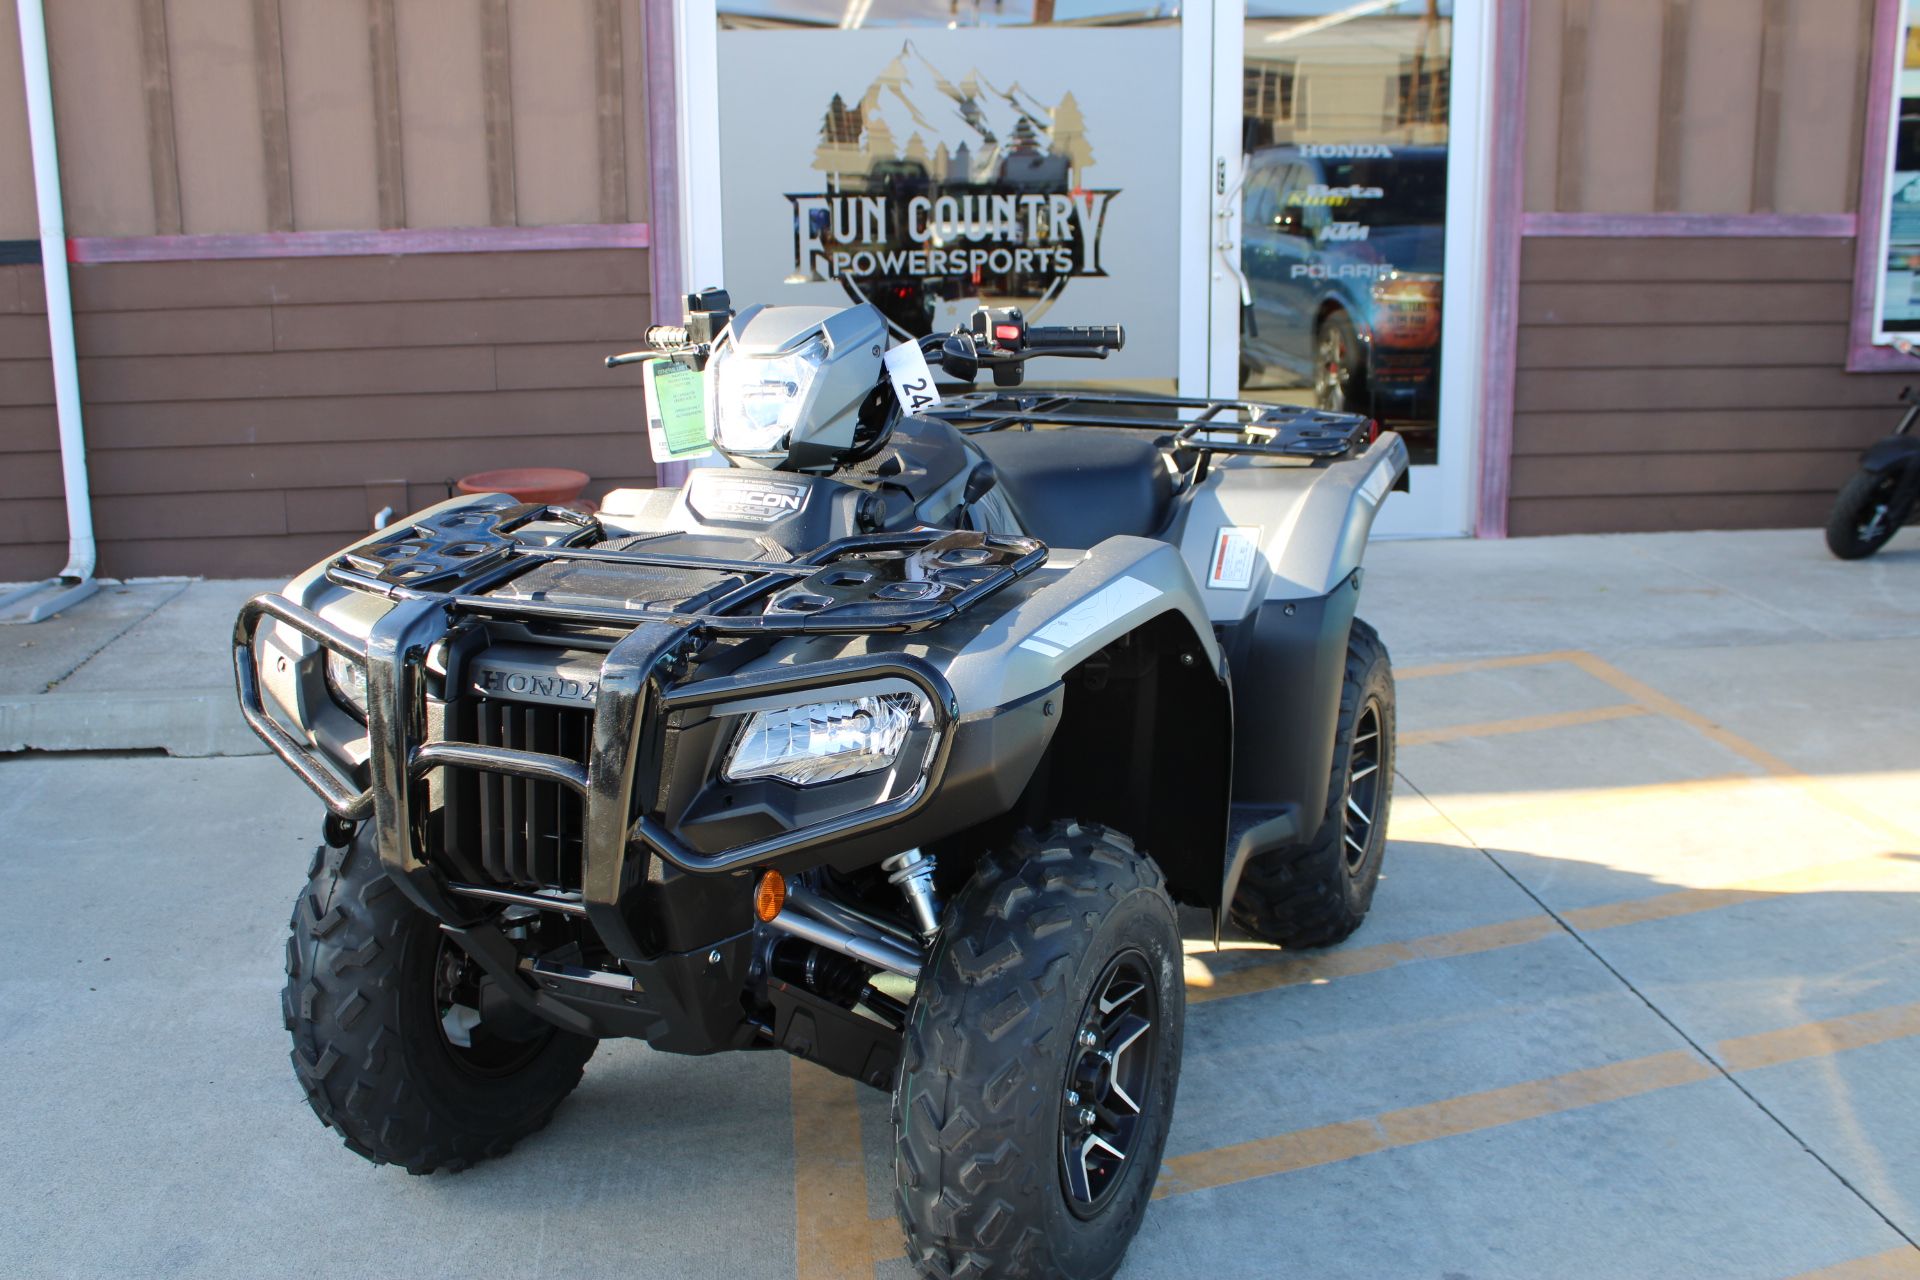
[[19, 253], [1863, 356], [87, 250], [1639, 226], [1507, 222]]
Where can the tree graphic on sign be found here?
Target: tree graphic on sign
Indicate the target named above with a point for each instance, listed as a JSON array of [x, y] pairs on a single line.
[[1070, 138]]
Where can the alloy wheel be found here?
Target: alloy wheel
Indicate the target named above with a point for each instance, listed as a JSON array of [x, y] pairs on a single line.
[[1363, 786], [1110, 1082]]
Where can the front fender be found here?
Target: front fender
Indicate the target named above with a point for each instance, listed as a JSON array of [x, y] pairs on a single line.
[[1895, 453]]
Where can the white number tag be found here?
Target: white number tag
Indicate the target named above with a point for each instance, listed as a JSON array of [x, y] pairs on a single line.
[[912, 380]]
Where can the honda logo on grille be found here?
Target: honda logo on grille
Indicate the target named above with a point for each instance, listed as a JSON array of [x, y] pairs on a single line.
[[531, 684]]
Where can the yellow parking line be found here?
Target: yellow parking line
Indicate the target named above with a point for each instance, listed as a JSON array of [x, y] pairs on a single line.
[[1521, 724], [1895, 1264], [1302, 968], [1482, 664], [1493, 1108], [832, 1238], [1662, 704]]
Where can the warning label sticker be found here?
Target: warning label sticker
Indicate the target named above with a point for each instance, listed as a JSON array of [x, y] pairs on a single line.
[[1235, 548]]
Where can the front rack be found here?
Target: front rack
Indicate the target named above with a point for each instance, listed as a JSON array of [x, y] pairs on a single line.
[[1201, 426], [439, 570]]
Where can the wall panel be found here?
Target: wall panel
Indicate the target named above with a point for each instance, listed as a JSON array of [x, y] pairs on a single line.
[[1718, 125], [330, 115], [18, 219], [105, 172], [440, 109], [292, 396], [1686, 384], [556, 140], [216, 113]]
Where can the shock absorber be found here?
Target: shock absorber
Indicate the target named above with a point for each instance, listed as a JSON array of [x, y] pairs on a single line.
[[912, 873]]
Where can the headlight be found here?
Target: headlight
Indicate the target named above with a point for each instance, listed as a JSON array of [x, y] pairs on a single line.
[[758, 400], [347, 681], [826, 741]]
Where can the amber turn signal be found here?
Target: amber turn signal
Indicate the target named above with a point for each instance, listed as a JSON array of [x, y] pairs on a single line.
[[769, 896]]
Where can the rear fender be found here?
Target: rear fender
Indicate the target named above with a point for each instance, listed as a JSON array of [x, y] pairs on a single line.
[[1307, 525]]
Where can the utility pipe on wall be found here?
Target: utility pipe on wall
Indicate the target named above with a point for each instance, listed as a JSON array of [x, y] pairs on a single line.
[[76, 581]]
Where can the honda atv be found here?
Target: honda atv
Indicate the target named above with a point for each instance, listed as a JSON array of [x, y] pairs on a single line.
[[893, 745]]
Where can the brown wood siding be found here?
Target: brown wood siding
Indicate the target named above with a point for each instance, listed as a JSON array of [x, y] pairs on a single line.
[[1686, 384], [246, 417]]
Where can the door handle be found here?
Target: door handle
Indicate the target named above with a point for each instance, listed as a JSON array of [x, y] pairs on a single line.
[[1226, 212]]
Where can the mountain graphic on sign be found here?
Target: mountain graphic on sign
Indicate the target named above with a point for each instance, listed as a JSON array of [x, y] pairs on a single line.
[[961, 132]]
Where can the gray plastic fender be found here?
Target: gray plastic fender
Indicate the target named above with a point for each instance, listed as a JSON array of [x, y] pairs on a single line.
[[1310, 525]]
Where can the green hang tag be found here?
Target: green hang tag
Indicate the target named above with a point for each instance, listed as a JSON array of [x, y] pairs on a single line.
[[676, 411]]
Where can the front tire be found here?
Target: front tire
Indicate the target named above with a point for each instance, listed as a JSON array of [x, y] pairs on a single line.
[[1019, 1149], [1862, 519], [1317, 893], [372, 1002]]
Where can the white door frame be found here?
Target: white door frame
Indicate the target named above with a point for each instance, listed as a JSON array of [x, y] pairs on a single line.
[[1212, 58]]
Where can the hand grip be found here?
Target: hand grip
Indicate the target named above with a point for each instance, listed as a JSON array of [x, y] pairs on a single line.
[[1110, 336]]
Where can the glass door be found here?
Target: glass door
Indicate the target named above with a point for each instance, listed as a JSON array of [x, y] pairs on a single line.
[[1350, 258], [1279, 200]]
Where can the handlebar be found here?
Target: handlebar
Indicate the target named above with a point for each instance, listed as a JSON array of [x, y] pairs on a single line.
[[1111, 337]]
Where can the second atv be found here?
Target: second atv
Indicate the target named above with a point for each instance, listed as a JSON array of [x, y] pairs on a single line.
[[894, 745]]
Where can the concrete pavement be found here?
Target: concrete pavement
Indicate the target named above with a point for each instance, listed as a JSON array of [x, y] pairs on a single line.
[[1639, 996], [139, 666]]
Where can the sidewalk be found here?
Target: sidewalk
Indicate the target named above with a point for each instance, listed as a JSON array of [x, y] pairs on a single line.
[[140, 666], [146, 665]]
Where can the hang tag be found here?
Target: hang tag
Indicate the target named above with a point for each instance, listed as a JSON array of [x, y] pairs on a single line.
[[676, 411], [912, 380]]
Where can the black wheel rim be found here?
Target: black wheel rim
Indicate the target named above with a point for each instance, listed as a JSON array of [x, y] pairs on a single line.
[[1872, 523], [1112, 1069], [469, 1042], [1363, 786]]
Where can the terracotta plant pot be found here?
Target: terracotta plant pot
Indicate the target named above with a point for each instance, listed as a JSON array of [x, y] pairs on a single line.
[[559, 485]]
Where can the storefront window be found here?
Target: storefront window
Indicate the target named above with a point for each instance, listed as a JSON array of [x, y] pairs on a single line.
[[918, 158], [1899, 302], [1343, 215]]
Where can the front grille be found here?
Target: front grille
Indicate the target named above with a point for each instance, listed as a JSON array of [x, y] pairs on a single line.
[[515, 830]]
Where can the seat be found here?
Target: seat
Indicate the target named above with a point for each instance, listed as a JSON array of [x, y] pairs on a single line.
[[1078, 486]]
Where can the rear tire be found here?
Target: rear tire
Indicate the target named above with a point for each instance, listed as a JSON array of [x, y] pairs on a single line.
[[366, 977], [1067, 935], [1317, 893], [1861, 524]]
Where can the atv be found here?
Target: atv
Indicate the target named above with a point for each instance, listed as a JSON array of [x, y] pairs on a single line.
[[894, 745]]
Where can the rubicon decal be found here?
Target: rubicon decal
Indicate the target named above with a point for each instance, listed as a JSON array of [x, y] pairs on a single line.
[[940, 194]]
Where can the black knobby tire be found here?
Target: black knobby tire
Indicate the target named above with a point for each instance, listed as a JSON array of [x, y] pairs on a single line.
[[1315, 894], [1852, 530], [1339, 366], [361, 1004], [991, 1048]]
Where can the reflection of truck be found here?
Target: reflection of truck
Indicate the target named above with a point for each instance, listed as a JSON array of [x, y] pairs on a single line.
[[1344, 246]]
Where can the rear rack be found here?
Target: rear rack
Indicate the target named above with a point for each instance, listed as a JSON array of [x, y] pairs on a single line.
[[1202, 426]]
